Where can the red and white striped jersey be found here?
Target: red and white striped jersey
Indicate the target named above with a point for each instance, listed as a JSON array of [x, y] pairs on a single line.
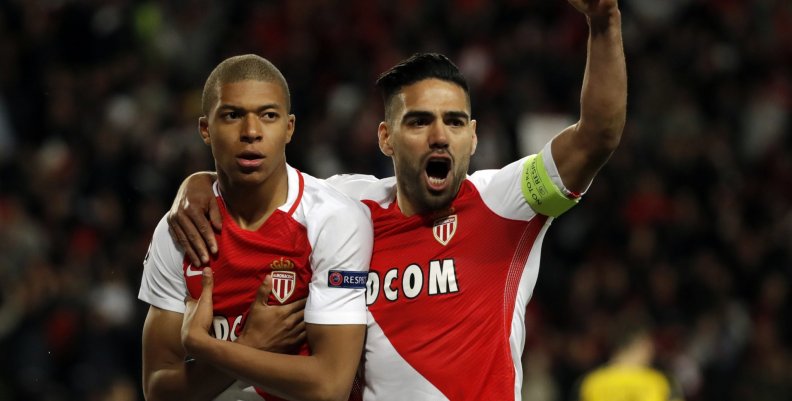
[[447, 293], [314, 238]]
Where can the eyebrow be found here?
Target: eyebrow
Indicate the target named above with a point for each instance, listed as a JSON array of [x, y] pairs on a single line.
[[457, 114], [261, 108], [427, 114]]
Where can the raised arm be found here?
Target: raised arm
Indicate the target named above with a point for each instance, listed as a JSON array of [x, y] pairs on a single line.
[[580, 150], [326, 374]]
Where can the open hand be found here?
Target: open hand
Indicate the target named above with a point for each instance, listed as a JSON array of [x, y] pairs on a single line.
[[274, 328], [198, 316], [187, 218]]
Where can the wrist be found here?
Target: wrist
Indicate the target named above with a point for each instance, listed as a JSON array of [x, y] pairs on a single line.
[[601, 22], [197, 344]]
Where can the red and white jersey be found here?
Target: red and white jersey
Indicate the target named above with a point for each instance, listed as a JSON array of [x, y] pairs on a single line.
[[447, 294], [317, 244]]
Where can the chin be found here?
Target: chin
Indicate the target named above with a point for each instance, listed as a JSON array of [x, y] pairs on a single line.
[[438, 201], [250, 179]]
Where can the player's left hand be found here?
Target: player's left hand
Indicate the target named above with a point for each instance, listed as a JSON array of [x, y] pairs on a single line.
[[595, 8], [274, 328], [198, 316]]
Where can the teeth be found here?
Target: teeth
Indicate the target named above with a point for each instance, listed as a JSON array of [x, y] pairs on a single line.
[[436, 181]]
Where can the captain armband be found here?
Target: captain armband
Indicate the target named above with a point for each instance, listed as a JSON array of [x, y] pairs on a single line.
[[540, 191]]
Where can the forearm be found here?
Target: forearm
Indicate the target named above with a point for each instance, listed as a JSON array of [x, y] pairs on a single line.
[[295, 377], [194, 380], [603, 103]]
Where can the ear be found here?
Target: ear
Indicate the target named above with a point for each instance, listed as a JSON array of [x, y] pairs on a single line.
[[384, 135], [290, 127], [475, 137], [203, 128]]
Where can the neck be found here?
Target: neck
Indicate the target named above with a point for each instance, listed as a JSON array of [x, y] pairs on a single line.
[[251, 205], [405, 205], [408, 208]]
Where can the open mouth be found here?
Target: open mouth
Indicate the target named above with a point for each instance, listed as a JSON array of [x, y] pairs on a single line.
[[250, 159], [437, 172]]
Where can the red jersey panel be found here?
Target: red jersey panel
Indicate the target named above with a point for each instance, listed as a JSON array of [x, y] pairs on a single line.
[[279, 247], [316, 236], [447, 308]]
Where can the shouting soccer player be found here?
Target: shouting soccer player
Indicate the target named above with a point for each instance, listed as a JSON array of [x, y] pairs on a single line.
[[279, 223], [456, 257]]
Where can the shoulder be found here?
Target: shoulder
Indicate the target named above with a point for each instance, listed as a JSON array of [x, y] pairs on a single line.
[[323, 204], [483, 178], [162, 240], [364, 187]]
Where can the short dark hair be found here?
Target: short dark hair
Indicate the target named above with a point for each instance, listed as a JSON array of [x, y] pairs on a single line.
[[240, 68], [416, 68]]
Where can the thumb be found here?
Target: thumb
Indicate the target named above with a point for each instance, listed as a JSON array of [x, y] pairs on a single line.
[[264, 290], [207, 282]]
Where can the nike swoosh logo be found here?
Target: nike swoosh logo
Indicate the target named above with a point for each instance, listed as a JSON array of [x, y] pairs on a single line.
[[190, 272]]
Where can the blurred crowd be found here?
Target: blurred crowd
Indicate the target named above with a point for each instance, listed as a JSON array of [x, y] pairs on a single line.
[[689, 225]]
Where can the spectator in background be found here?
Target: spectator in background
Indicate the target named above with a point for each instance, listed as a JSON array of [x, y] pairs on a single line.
[[629, 374]]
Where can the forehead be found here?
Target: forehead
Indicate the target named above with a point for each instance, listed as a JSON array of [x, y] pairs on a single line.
[[433, 95], [251, 94]]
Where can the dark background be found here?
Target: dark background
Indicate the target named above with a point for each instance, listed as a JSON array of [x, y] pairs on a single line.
[[688, 225]]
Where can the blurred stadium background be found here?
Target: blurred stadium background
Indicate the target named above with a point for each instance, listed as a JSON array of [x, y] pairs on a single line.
[[689, 224]]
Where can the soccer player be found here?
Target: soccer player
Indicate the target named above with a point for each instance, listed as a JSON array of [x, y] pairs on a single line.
[[306, 238], [456, 257]]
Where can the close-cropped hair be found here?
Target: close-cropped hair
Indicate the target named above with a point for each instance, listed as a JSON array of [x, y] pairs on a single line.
[[241, 68], [418, 67]]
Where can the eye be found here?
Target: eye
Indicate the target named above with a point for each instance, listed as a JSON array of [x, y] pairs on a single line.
[[269, 115], [457, 122], [419, 122], [231, 115]]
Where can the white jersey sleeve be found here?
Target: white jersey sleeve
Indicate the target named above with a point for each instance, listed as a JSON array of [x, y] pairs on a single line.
[[163, 282], [365, 187], [341, 236], [524, 188]]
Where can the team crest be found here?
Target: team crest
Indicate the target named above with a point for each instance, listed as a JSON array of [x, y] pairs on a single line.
[[282, 264], [444, 228], [283, 283]]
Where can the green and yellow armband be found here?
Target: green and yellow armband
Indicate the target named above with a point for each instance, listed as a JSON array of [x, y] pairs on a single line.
[[539, 190]]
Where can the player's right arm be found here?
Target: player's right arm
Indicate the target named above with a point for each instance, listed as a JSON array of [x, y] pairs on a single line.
[[166, 374]]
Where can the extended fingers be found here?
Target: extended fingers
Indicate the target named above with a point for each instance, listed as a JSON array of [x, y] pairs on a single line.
[[197, 220], [296, 306], [181, 239], [297, 333], [183, 221]]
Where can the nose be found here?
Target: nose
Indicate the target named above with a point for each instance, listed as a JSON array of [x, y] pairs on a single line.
[[252, 129], [438, 137]]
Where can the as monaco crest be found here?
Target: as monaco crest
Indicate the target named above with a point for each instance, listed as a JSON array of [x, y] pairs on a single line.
[[444, 229], [283, 283]]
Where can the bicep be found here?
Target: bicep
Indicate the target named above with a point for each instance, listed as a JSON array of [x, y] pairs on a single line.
[[577, 160], [162, 348]]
